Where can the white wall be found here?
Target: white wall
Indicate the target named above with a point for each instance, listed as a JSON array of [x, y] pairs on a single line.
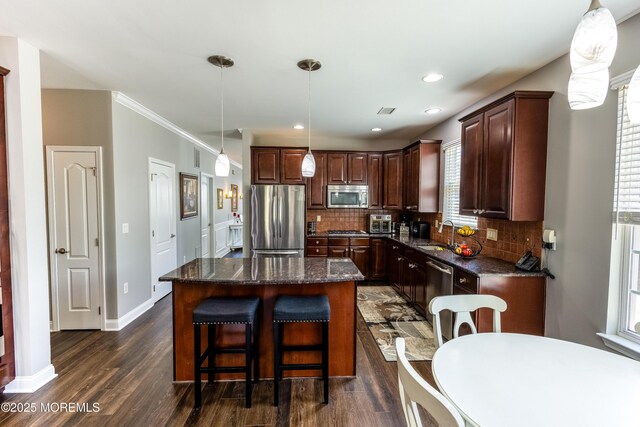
[[579, 192], [30, 281]]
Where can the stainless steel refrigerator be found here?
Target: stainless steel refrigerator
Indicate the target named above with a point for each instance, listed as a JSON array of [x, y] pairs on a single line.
[[277, 220]]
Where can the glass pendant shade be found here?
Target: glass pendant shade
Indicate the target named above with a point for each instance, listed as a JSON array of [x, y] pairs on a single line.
[[588, 90], [308, 165], [594, 42], [633, 98], [222, 165]]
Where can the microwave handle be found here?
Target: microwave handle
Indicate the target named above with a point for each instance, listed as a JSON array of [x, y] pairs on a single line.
[[365, 202]]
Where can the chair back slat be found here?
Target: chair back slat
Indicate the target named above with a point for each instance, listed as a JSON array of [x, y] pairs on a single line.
[[414, 390]]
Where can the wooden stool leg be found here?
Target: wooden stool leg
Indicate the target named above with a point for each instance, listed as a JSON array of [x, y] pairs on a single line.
[[276, 363], [256, 352], [211, 355], [247, 355], [325, 360], [196, 364]]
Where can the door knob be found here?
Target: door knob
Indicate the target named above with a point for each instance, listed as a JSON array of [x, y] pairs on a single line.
[[61, 251], [173, 235]]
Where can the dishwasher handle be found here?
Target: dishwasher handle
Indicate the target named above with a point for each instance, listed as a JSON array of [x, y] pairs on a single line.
[[446, 270]]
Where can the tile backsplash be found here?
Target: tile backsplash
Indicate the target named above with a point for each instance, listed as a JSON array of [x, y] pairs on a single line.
[[514, 238], [346, 219]]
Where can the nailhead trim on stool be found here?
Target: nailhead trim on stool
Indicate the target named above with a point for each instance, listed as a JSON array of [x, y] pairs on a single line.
[[219, 311], [293, 309]]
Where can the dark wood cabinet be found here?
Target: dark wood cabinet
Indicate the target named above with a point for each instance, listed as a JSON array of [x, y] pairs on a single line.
[[317, 185], [360, 257], [421, 163], [405, 279], [338, 252], [375, 180], [337, 165], [393, 176], [291, 165], [504, 152], [419, 282], [377, 267], [265, 166], [357, 169], [393, 261], [7, 360]]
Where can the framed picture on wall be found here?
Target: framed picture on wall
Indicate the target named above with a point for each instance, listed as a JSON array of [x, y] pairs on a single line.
[[234, 198], [220, 198], [188, 195]]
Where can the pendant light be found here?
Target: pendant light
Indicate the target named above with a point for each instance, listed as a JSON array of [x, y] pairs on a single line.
[[595, 40], [222, 162], [633, 98], [309, 162], [588, 90]]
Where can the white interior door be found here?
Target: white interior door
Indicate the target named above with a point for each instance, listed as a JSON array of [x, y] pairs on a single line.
[[205, 209], [74, 229], [162, 215]]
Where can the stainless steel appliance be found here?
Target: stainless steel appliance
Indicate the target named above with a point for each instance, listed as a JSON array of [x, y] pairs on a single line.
[[440, 283], [421, 229], [277, 220], [347, 196], [379, 224]]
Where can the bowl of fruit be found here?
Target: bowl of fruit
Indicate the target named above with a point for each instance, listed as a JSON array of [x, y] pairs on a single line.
[[466, 231], [465, 251]]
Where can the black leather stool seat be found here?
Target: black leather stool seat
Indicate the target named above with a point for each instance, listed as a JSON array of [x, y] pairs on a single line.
[[218, 311], [289, 308]]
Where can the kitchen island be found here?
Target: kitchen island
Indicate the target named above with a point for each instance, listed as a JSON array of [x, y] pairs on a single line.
[[266, 278]]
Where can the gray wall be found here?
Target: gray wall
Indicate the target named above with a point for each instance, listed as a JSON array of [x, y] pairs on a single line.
[[225, 214], [579, 192], [83, 118], [135, 139]]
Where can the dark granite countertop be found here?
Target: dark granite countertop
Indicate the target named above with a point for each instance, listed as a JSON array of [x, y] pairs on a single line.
[[478, 266], [365, 234], [265, 271]]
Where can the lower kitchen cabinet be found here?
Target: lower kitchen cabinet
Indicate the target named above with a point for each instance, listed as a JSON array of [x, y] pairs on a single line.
[[419, 281], [378, 252], [342, 247], [360, 257], [394, 265]]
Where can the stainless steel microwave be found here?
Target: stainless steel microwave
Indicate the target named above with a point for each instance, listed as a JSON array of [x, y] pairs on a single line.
[[347, 196]]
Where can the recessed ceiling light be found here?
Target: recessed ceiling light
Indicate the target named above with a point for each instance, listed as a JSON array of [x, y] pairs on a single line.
[[432, 77], [376, 129], [434, 110], [298, 126]]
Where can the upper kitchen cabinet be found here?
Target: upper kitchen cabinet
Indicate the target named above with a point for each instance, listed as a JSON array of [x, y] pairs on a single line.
[[375, 180], [271, 165], [347, 168], [504, 153], [317, 185], [392, 182], [291, 165], [265, 166], [422, 176]]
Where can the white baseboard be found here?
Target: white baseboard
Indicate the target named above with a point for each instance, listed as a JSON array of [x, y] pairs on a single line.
[[223, 252], [31, 383], [118, 324]]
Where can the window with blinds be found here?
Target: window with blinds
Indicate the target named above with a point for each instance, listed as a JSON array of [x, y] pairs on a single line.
[[626, 203], [451, 210]]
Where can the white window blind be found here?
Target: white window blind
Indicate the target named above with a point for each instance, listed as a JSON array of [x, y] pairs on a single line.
[[626, 204], [451, 210]]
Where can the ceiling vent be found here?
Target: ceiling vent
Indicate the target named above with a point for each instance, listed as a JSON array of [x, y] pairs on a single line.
[[386, 110]]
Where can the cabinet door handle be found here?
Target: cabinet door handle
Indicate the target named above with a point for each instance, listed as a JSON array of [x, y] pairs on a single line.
[[317, 250], [395, 247], [317, 242], [463, 280], [475, 211], [399, 258]]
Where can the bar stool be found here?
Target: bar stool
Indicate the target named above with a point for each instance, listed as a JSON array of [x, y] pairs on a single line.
[[226, 311], [294, 309]]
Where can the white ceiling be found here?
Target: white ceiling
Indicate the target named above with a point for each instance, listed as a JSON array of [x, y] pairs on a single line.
[[373, 54]]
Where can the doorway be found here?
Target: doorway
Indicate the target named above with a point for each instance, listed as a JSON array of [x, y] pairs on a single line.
[[162, 220], [206, 219], [76, 254]]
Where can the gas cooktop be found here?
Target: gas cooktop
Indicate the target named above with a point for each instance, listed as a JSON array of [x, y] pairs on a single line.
[[346, 232]]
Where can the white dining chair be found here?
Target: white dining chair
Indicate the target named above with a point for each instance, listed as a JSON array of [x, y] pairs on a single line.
[[461, 306], [414, 390]]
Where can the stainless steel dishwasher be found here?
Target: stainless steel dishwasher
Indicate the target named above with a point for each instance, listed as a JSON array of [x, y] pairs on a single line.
[[440, 283]]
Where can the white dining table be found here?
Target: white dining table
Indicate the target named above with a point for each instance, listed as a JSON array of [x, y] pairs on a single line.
[[515, 380]]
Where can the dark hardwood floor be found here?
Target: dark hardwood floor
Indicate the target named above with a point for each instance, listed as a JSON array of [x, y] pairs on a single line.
[[128, 373], [236, 253]]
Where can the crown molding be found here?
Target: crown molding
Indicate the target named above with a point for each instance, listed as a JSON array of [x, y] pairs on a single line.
[[621, 79], [133, 105]]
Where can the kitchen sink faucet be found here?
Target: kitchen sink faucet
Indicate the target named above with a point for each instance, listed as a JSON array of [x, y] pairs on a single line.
[[453, 231]]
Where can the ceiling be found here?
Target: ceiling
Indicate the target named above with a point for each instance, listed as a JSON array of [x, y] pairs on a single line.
[[373, 55]]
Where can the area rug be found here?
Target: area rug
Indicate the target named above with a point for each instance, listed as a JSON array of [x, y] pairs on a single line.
[[389, 316]]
